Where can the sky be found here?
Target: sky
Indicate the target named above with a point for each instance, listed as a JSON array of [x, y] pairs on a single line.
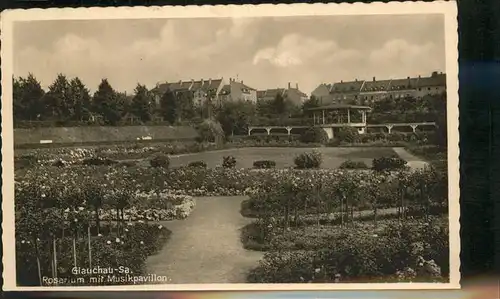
[[262, 52]]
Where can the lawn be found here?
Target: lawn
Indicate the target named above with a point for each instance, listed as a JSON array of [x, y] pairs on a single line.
[[332, 157]]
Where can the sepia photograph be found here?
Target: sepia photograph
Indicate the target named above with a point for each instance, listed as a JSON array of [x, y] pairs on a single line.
[[297, 146]]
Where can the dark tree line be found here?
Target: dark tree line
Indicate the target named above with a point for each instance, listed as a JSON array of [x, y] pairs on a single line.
[[69, 100]]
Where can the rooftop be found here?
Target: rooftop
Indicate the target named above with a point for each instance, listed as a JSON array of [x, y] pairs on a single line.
[[202, 84], [435, 79], [351, 86]]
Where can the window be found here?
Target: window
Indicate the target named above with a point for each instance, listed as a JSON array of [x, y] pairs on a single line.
[[428, 88]]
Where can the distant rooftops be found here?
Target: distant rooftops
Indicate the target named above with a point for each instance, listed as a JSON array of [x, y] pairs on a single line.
[[374, 85], [202, 84]]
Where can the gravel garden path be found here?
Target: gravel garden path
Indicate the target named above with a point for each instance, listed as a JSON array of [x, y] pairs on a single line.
[[413, 161], [206, 246]]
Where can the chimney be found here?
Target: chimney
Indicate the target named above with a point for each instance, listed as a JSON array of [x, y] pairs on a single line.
[[408, 78], [209, 81], [419, 76], [341, 81], [356, 80], [289, 85], [201, 82], [241, 81], [373, 79], [297, 86], [230, 80]]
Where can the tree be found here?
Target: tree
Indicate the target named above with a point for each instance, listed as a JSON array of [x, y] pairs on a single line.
[[107, 103], [141, 103], [265, 108], [313, 102], [441, 121], [58, 102], [185, 105], [168, 106], [81, 99], [279, 104], [235, 117], [27, 98]]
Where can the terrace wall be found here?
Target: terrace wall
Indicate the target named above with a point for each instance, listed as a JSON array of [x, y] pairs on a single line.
[[101, 134]]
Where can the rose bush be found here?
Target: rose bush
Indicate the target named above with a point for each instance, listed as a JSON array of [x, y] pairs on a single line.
[[129, 248], [416, 251]]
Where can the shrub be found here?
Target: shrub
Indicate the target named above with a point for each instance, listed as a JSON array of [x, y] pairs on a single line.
[[160, 160], [59, 163], [388, 163], [308, 160], [348, 134], [228, 162], [359, 254], [314, 135], [334, 142], [198, 164], [210, 131], [264, 164], [349, 164], [96, 161]]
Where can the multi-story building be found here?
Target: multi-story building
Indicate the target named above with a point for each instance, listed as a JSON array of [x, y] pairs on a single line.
[[292, 94], [237, 91], [218, 90], [372, 91], [367, 92], [200, 90], [401, 88], [433, 85]]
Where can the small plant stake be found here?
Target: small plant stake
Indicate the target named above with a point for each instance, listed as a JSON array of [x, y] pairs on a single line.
[[54, 245], [90, 247], [38, 261]]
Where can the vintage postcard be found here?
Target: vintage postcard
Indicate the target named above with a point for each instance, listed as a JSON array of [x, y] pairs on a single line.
[[240, 147]]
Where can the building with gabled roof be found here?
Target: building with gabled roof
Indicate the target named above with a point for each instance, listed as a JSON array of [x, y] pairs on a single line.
[[201, 89], [237, 91], [433, 85], [366, 92], [374, 90], [292, 94]]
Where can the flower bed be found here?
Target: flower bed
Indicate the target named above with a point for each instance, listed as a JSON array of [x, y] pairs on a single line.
[[61, 256], [154, 206], [412, 251], [61, 213]]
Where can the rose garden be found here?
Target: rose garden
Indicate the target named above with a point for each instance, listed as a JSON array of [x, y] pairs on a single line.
[[321, 214]]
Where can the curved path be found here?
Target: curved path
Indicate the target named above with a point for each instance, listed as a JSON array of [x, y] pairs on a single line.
[[413, 161], [206, 246]]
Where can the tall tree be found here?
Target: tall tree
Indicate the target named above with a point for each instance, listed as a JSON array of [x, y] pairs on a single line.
[[312, 102], [141, 105], [235, 117], [58, 102], [265, 108], [107, 103], [279, 104], [81, 99], [185, 105], [27, 98], [168, 106]]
